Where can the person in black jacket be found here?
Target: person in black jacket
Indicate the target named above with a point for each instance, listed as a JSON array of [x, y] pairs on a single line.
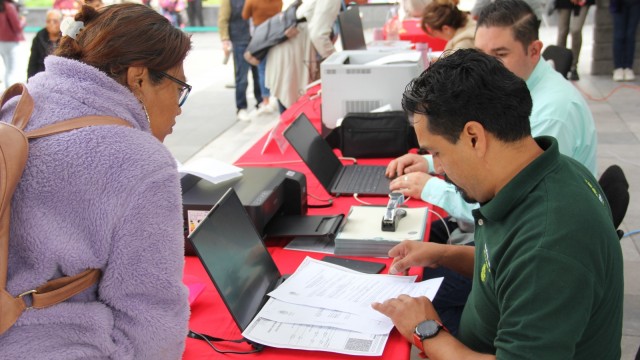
[[45, 41]]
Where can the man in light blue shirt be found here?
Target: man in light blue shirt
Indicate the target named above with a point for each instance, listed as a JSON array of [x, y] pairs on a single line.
[[559, 110]]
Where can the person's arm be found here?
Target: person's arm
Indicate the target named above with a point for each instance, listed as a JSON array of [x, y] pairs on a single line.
[[409, 174], [247, 10], [413, 181], [425, 254], [142, 282], [556, 308], [224, 14], [16, 22], [431, 169], [406, 313], [407, 163], [34, 58], [445, 195], [320, 25]]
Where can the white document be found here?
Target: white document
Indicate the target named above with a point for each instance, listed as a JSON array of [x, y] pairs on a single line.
[[281, 311], [307, 337], [320, 284], [400, 57], [211, 170]]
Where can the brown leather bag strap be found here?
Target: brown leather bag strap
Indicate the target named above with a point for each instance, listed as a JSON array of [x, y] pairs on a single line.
[[24, 108], [14, 149], [61, 289], [75, 123], [13, 158]]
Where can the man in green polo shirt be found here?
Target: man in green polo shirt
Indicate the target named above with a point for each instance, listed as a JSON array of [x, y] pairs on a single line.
[[547, 265]]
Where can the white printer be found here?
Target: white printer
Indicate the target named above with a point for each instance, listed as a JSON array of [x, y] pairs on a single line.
[[363, 80]]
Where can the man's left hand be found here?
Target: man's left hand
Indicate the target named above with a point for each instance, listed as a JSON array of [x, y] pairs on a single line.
[[407, 312]]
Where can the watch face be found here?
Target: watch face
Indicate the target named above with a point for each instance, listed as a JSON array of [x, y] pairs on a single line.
[[427, 329]]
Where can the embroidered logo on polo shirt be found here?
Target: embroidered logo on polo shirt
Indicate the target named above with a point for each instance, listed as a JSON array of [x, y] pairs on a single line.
[[594, 191], [486, 265]]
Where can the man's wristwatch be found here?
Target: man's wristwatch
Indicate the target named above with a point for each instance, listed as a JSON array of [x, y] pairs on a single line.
[[426, 330]]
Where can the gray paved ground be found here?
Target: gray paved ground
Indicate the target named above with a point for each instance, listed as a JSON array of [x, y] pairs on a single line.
[[208, 128]]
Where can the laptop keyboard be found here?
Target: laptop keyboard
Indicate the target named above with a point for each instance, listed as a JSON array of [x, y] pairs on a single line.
[[363, 179]]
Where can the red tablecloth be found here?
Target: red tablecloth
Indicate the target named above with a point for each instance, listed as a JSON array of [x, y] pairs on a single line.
[[411, 31], [210, 316]]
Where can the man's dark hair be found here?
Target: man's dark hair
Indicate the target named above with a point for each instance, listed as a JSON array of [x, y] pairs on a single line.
[[468, 85], [515, 14]]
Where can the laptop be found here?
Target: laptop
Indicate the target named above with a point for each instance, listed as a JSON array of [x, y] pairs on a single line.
[[236, 259], [336, 178], [351, 30]]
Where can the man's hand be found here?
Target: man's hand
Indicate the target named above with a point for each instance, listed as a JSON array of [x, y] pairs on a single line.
[[291, 32], [412, 253], [407, 163], [226, 47], [407, 312], [411, 184]]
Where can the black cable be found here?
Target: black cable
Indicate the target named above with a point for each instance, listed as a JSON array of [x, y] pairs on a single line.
[[211, 339]]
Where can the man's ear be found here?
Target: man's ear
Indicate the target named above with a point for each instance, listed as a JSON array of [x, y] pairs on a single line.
[[136, 75], [535, 50], [474, 133]]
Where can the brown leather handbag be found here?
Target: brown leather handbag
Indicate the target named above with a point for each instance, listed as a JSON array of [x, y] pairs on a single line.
[[14, 149]]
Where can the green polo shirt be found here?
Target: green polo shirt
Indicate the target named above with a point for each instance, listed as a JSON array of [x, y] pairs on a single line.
[[547, 281]]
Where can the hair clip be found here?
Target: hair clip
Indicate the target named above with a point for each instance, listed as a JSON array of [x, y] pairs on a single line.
[[69, 27]]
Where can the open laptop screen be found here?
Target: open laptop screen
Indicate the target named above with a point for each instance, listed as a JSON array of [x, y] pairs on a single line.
[[235, 257], [351, 31], [314, 150]]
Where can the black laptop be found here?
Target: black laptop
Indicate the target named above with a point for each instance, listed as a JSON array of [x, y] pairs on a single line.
[[236, 259], [336, 178], [351, 30]]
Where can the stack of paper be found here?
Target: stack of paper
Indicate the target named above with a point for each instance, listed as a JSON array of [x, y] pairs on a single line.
[[210, 169], [327, 307], [362, 235]]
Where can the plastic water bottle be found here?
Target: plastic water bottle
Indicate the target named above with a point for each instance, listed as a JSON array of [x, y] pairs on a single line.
[[425, 50], [392, 24]]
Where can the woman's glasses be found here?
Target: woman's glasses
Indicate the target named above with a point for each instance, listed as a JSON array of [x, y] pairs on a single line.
[[184, 91]]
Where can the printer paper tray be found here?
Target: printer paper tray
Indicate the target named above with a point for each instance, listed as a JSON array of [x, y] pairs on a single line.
[[289, 226]]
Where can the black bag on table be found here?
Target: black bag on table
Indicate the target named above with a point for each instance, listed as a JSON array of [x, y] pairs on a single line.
[[374, 135]]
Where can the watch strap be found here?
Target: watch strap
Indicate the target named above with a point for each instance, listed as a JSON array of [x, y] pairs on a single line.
[[417, 340], [418, 343]]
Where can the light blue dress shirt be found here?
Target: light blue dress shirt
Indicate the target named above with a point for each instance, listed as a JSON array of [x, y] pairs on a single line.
[[559, 110]]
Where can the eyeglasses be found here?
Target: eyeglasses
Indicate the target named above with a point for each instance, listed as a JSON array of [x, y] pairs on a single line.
[[184, 91]]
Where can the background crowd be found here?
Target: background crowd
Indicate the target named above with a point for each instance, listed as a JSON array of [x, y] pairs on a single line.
[[237, 19]]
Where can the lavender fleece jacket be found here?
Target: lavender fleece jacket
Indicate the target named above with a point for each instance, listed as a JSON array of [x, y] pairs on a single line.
[[104, 197]]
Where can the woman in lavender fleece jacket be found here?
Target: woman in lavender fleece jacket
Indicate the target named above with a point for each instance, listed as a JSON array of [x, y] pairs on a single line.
[[104, 197]]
